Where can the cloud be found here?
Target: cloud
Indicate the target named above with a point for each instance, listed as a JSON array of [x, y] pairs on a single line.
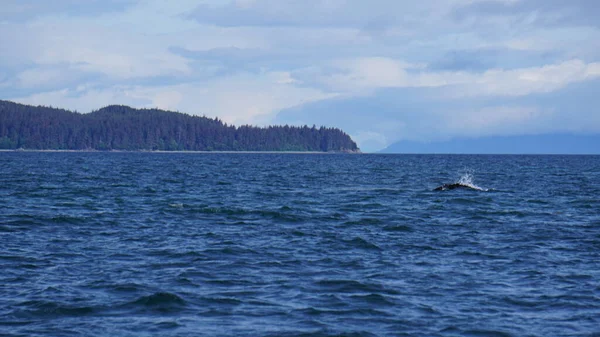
[[522, 82], [369, 141], [111, 52], [382, 70], [240, 99], [330, 13], [83, 98], [427, 114], [373, 73], [44, 77], [480, 121], [535, 12], [482, 59], [21, 10]]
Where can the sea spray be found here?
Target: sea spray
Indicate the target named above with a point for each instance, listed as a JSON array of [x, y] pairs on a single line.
[[467, 179]]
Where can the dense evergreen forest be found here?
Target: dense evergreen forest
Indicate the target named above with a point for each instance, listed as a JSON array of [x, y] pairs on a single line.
[[118, 127]]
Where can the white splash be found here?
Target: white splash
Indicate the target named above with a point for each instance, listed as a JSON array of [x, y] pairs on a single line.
[[467, 180]]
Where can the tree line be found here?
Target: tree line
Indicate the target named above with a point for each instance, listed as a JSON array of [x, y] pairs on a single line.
[[119, 127]]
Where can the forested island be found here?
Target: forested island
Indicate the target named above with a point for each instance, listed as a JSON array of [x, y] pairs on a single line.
[[118, 127]]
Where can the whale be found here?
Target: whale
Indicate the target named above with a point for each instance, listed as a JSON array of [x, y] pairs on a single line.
[[453, 186], [464, 183]]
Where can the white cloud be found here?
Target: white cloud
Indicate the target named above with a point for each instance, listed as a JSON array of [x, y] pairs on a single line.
[[369, 141], [244, 4], [492, 119], [373, 73], [110, 52], [367, 73], [22, 10], [592, 70], [36, 78], [522, 82], [245, 60], [83, 99], [240, 99]]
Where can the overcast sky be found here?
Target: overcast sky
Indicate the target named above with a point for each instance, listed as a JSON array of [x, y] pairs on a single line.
[[382, 70]]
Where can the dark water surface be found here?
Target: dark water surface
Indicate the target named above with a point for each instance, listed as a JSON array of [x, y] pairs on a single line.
[[159, 244]]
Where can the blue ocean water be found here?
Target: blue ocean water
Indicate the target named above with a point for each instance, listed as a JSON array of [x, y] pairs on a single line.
[[189, 244]]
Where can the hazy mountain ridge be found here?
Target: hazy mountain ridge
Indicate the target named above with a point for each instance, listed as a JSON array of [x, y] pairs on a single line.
[[523, 144]]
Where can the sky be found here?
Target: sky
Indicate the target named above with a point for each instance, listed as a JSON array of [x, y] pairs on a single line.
[[382, 70]]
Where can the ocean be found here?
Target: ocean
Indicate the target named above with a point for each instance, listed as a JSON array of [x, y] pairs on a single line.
[[213, 244]]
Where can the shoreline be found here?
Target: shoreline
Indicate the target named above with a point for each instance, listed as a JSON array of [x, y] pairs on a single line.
[[197, 152]]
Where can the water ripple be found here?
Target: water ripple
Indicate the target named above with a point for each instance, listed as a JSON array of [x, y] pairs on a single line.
[[124, 244]]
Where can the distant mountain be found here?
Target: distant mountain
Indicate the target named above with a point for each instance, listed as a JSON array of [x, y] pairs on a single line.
[[530, 144], [119, 127]]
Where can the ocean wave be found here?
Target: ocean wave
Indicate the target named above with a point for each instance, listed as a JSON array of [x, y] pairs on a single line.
[[162, 302], [42, 309]]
